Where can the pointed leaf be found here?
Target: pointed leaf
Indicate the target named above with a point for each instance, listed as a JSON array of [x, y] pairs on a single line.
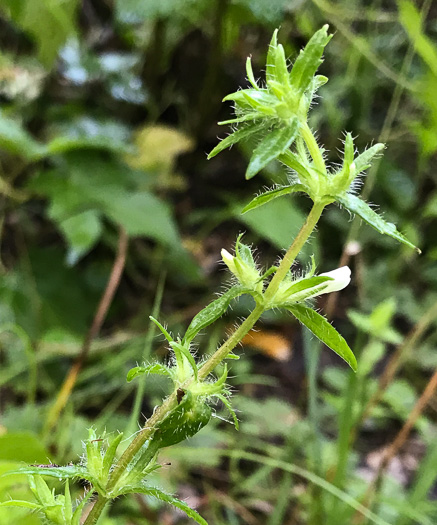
[[19, 503], [68, 472], [324, 331], [309, 60], [249, 72], [362, 162], [155, 368], [363, 210], [252, 98], [238, 120], [211, 313], [273, 145], [269, 195], [167, 498], [348, 150], [68, 508], [110, 455], [291, 160], [231, 410], [185, 351], [281, 66], [271, 62], [163, 330], [237, 136]]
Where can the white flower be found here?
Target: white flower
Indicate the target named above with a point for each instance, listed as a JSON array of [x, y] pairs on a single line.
[[303, 289], [341, 276]]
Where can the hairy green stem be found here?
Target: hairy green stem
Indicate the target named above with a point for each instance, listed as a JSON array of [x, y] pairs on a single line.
[[293, 251], [171, 402]]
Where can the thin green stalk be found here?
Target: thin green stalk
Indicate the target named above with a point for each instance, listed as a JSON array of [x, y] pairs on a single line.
[[213, 361], [139, 394], [293, 251]]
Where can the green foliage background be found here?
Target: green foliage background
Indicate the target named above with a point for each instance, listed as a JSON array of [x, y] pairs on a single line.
[[107, 110]]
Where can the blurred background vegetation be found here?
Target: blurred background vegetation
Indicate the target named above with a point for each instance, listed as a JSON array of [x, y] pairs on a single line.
[[108, 108]]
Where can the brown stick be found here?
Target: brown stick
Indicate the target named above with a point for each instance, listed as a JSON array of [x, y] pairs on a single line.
[[396, 359], [99, 317], [399, 440]]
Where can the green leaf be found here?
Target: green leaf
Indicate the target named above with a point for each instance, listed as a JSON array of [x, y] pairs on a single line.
[[68, 472], [324, 331], [142, 214], [110, 455], [185, 351], [49, 23], [155, 368], [81, 231], [250, 75], [363, 210], [363, 161], [234, 138], [22, 446], [269, 195], [281, 71], [271, 62], [228, 405], [163, 330], [411, 19], [211, 313], [272, 145], [167, 498], [25, 504], [258, 99], [15, 139], [309, 60]]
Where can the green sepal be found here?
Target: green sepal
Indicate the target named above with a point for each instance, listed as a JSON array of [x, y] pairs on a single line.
[[323, 330], [155, 368], [228, 405], [271, 146], [355, 205], [306, 288], [211, 313], [250, 75], [270, 61], [185, 351], [163, 330], [108, 459], [234, 138], [309, 60], [363, 161], [162, 496], [269, 195]]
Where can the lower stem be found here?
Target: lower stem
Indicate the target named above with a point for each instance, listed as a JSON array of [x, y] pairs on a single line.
[[213, 361]]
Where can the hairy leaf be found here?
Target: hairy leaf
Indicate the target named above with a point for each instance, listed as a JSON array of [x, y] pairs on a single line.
[[211, 313], [269, 195], [234, 138], [273, 145], [324, 331], [363, 161], [363, 210], [155, 368], [309, 60], [167, 498]]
